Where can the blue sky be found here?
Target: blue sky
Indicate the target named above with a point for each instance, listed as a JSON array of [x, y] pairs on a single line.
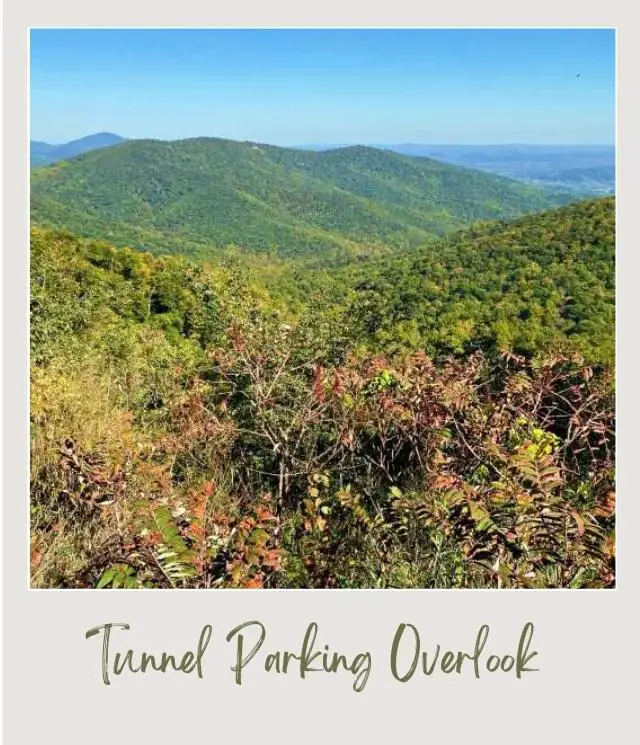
[[289, 87]]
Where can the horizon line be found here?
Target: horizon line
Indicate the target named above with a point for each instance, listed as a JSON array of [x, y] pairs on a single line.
[[401, 143]]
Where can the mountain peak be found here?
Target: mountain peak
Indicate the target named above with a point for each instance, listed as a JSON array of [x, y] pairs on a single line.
[[43, 153]]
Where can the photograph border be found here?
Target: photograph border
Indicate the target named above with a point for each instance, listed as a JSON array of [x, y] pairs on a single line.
[[586, 640]]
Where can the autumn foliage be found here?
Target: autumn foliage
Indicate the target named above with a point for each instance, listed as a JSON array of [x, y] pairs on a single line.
[[176, 446]]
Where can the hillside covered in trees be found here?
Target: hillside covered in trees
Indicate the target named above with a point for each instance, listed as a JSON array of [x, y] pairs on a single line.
[[527, 285], [197, 196], [440, 416]]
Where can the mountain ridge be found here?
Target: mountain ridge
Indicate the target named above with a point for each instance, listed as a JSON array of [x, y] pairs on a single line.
[[44, 153], [203, 193]]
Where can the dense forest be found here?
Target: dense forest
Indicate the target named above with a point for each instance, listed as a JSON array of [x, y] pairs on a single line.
[[531, 284], [196, 196]]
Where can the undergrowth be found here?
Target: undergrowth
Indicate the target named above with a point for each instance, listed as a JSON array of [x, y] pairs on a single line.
[[185, 436]]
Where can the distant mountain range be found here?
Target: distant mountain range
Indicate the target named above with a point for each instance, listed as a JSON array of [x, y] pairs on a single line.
[[193, 196], [42, 153], [587, 170]]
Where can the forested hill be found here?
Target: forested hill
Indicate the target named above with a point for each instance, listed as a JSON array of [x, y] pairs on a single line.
[[526, 286], [191, 196], [522, 286]]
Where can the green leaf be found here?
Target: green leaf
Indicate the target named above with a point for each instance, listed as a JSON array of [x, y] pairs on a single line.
[[481, 517], [259, 537], [107, 577]]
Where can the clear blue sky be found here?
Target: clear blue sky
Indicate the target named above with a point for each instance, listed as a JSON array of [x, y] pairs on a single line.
[[289, 87]]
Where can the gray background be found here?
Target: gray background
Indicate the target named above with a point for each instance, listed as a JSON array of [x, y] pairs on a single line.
[[53, 690]]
